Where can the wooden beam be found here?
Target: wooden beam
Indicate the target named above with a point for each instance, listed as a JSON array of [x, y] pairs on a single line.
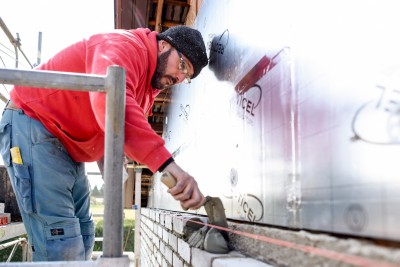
[[175, 3], [193, 10], [117, 14], [157, 127], [129, 188], [165, 23], [158, 114], [158, 26]]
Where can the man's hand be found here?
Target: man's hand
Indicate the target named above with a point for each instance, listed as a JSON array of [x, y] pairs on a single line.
[[186, 189]]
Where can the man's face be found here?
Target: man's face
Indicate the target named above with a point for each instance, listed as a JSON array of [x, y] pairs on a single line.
[[169, 69], [162, 63]]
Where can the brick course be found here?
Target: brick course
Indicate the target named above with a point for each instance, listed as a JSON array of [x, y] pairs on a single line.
[[163, 244]]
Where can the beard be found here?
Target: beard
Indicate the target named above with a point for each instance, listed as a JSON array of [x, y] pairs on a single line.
[[162, 61]]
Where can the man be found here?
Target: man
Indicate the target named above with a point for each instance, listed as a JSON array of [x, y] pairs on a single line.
[[46, 135]]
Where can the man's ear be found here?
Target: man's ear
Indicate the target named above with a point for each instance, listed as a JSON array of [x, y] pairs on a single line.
[[163, 46]]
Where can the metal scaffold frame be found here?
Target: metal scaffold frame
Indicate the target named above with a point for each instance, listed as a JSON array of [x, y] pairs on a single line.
[[113, 84]]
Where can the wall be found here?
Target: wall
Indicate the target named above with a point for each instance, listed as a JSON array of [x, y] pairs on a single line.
[[163, 244], [164, 233], [294, 123]]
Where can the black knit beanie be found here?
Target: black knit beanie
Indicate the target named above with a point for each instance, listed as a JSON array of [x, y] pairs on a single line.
[[189, 42]]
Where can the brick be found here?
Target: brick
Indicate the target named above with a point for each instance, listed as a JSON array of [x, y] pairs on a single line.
[[184, 250], [176, 261], [156, 241], [162, 248], [238, 262], [150, 224], [168, 254], [153, 260], [159, 257], [168, 221], [144, 261], [201, 258], [173, 241], [164, 263], [152, 215], [162, 218], [144, 212], [157, 216], [143, 220], [178, 224], [159, 231], [165, 235]]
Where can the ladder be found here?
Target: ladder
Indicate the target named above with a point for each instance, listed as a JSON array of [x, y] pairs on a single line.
[[113, 84]]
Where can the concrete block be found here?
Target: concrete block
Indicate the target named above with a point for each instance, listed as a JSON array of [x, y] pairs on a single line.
[[184, 250], [238, 262], [176, 261]]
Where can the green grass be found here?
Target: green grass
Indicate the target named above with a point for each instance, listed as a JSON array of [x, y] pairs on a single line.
[[5, 252], [129, 235], [129, 227]]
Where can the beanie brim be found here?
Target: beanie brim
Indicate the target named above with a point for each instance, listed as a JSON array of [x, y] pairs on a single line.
[[189, 42]]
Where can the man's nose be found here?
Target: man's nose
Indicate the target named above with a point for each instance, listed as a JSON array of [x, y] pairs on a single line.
[[180, 76]]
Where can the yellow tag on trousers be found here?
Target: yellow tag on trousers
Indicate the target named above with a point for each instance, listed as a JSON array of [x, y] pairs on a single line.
[[16, 155]]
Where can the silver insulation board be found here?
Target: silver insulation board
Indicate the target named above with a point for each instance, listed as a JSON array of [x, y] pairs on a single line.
[[296, 120]]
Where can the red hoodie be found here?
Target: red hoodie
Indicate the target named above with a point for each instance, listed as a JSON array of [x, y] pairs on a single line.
[[78, 118]]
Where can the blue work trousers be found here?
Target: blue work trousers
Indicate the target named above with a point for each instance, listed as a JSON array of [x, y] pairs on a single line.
[[52, 190]]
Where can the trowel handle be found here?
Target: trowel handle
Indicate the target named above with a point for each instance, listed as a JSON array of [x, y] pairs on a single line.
[[168, 179]]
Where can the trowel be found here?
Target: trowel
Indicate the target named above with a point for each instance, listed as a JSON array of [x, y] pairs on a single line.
[[207, 238]]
